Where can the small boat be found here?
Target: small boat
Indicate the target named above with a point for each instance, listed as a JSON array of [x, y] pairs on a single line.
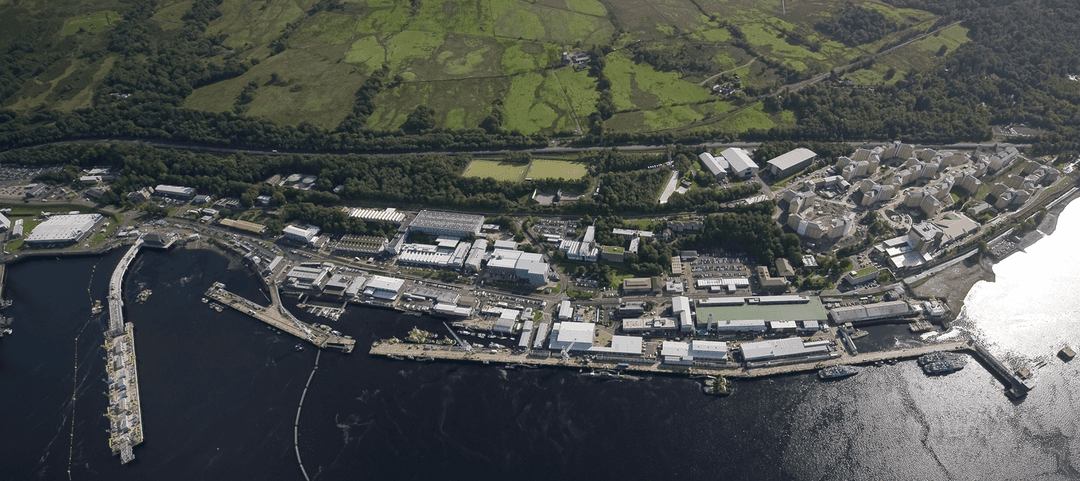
[[299, 347], [837, 372]]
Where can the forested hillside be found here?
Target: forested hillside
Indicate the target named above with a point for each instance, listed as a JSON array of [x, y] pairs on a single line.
[[340, 76]]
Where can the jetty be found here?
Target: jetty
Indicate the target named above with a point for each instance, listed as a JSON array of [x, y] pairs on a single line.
[[278, 317], [1014, 387], [400, 350], [125, 409]]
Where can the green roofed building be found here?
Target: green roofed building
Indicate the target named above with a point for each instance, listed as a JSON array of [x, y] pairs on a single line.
[[612, 253], [764, 308]]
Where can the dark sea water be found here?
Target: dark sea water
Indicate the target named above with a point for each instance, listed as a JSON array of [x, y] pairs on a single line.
[[220, 394]]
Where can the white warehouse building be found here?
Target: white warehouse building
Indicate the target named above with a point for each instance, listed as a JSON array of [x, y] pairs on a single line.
[[739, 160], [716, 166], [522, 265], [175, 191], [63, 229], [300, 234], [577, 336]]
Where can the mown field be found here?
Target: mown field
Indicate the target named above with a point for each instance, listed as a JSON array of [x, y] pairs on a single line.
[[498, 170], [536, 169], [556, 169], [462, 57]]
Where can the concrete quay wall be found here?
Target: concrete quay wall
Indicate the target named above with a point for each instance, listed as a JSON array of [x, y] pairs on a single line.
[[779, 367]]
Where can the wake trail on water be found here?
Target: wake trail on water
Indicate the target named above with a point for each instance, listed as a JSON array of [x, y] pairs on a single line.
[[296, 425], [75, 375]]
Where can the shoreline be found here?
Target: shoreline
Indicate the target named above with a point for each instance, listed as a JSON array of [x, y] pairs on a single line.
[[954, 283]]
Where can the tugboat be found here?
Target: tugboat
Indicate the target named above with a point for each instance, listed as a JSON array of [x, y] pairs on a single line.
[[837, 372]]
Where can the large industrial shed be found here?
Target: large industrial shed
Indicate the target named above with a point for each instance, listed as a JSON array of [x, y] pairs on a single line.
[[870, 312], [447, 223], [791, 162], [63, 229]]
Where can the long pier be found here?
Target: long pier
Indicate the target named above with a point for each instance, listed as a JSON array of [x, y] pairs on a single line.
[[125, 408], [734, 370], [1015, 388], [278, 317]]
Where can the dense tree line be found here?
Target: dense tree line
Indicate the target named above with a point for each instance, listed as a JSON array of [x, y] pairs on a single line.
[[857, 25], [751, 229], [432, 180], [605, 103], [689, 58], [916, 109]]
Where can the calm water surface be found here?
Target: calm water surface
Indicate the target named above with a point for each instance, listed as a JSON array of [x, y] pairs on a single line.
[[220, 395]]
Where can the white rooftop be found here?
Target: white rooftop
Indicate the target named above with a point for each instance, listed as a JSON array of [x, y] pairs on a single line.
[[674, 348], [792, 346], [63, 228], [385, 283], [708, 349], [739, 159], [789, 159]]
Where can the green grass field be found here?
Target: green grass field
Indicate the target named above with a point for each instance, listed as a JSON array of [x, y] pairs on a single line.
[[93, 23], [552, 169], [753, 117], [313, 88], [496, 170], [639, 86]]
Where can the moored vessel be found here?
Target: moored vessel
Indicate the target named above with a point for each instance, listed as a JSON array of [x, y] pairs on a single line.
[[837, 372]]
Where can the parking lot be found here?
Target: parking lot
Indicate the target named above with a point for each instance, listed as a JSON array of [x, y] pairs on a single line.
[[714, 266], [561, 228]]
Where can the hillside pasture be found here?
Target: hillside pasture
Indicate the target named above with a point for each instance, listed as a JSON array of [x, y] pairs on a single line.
[[917, 55], [312, 87]]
